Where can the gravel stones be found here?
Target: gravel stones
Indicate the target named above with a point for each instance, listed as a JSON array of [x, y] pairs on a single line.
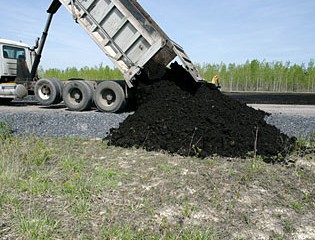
[[60, 124], [303, 127]]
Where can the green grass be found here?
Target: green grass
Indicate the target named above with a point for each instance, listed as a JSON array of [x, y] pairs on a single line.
[[5, 131], [67, 188]]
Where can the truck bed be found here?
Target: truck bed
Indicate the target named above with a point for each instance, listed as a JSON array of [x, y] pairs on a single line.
[[128, 36]]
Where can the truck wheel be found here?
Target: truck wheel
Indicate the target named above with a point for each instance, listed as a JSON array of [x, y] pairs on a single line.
[[59, 84], [109, 97], [77, 95], [48, 91]]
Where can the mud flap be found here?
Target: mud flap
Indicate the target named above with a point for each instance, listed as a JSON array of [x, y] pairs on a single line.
[[22, 71]]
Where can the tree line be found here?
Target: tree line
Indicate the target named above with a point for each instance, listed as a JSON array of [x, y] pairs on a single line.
[[253, 75], [100, 72], [263, 76]]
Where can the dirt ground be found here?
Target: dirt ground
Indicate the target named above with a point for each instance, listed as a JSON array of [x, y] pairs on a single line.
[[82, 189]]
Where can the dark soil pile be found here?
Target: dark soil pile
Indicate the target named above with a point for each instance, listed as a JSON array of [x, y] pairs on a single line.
[[180, 116]]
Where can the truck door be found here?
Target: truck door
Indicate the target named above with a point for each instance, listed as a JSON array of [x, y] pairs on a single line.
[[10, 55]]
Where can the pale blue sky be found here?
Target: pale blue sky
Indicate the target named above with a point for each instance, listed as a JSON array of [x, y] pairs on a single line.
[[229, 31]]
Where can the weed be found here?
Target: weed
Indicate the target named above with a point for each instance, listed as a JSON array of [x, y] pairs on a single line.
[[297, 206], [104, 178], [188, 209], [36, 183], [35, 224], [166, 168], [6, 131], [288, 226], [71, 165], [119, 232], [256, 165], [309, 199], [276, 236], [128, 232], [198, 234], [39, 154], [80, 208]]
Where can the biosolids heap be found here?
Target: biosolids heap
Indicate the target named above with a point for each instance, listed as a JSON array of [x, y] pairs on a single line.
[[180, 116]]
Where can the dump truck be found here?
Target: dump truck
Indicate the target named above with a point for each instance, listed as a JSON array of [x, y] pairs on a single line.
[[126, 34]]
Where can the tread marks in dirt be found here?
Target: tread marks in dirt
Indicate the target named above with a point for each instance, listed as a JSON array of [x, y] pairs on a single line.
[[181, 116]]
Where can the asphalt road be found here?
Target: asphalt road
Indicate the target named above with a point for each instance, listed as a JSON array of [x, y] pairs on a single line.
[[273, 98], [302, 110]]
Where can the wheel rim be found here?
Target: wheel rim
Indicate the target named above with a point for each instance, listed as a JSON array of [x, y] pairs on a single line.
[[75, 96], [44, 92], [107, 97]]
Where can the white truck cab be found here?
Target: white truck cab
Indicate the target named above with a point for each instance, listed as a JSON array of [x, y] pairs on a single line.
[[11, 51]]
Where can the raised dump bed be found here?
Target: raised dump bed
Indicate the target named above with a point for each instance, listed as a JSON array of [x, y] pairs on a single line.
[[128, 36]]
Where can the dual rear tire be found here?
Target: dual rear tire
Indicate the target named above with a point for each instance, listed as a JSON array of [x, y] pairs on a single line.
[[79, 95], [48, 91], [109, 96]]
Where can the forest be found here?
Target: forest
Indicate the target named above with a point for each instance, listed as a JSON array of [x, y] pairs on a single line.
[[253, 75]]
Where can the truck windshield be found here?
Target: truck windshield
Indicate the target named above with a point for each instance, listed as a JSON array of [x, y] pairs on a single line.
[[13, 52]]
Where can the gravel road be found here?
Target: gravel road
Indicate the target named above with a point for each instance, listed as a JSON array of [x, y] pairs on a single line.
[[29, 118], [294, 120], [55, 123]]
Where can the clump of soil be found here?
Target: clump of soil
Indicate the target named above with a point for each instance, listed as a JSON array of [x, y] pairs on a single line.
[[180, 116]]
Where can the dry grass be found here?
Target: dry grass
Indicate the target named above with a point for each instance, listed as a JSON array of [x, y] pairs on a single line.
[[82, 189]]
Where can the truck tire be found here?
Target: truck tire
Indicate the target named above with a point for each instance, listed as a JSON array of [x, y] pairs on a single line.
[[78, 95], [109, 96], [59, 84], [48, 91]]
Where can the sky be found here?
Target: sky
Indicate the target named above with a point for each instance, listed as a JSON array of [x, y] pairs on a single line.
[[211, 32]]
